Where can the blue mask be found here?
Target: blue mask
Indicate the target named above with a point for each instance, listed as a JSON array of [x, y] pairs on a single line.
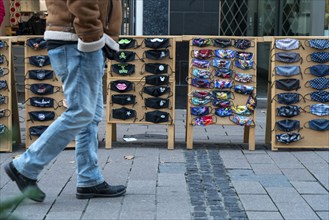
[[319, 96], [318, 83], [287, 70], [320, 44], [319, 70], [319, 57], [223, 112], [318, 124]]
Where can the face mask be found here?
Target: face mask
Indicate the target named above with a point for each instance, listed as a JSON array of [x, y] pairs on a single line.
[[251, 103], [39, 61], [243, 120], [123, 69], [156, 43], [201, 73], [287, 125], [319, 57], [43, 89], [121, 86], [41, 115], [156, 54], [223, 73], [3, 129], [201, 54], [204, 120], [288, 138], [200, 110], [124, 56], [157, 80], [200, 101], [37, 130], [3, 59], [4, 113], [3, 71], [241, 110], [319, 96], [242, 44], [287, 84], [244, 64], [225, 54], [319, 109], [3, 85], [156, 68], [37, 43], [42, 102], [157, 116], [288, 111], [222, 95], [287, 44], [3, 44], [219, 63], [221, 103], [123, 99], [223, 84], [41, 74], [127, 43], [319, 83], [201, 63], [3, 99], [245, 90], [201, 42], [287, 57], [223, 112], [321, 44], [287, 70], [288, 98], [123, 113], [222, 43], [201, 94], [201, 83], [243, 77], [241, 55], [157, 103], [318, 124], [156, 91], [319, 70]]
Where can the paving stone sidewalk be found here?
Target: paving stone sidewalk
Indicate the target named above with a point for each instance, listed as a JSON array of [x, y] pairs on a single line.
[[218, 179]]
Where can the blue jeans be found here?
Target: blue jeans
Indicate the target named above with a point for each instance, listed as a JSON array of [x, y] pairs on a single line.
[[81, 74]]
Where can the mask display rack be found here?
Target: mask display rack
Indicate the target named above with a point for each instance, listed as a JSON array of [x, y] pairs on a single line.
[[222, 84], [44, 98], [299, 92], [141, 85], [6, 110]]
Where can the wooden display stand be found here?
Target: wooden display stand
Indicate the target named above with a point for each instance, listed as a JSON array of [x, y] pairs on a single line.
[[310, 138], [6, 137], [138, 79], [249, 132], [57, 96]]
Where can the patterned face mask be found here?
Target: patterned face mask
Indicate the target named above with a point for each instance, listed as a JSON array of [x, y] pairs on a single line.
[[241, 55], [127, 43], [37, 43], [222, 95], [42, 102], [219, 63], [241, 110], [201, 83], [200, 101], [243, 89], [124, 56], [41, 115], [121, 86], [204, 120], [319, 70], [243, 77], [318, 124], [244, 64], [39, 61], [3, 99], [156, 43], [202, 54], [223, 112], [251, 103], [288, 138], [243, 120], [200, 110], [288, 98], [221, 103], [287, 44], [225, 54], [318, 57], [3, 59], [319, 109], [320, 44], [242, 44], [4, 113], [201, 42], [3, 129], [319, 83], [201, 94], [287, 70], [201, 63], [40, 74], [3, 44], [201, 73], [3, 85], [43, 88], [223, 84], [287, 125], [222, 43], [287, 84], [319, 96], [223, 73], [4, 71], [288, 111], [37, 130]]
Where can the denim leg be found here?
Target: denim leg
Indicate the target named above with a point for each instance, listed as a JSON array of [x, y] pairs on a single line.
[[81, 74], [88, 171]]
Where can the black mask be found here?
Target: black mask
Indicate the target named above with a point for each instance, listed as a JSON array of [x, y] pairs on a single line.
[[288, 138], [40, 74], [122, 86], [123, 113], [127, 43], [42, 89], [287, 84], [287, 125], [123, 99], [157, 80], [156, 68], [156, 54], [37, 130], [42, 102], [41, 115], [124, 56], [39, 61], [156, 91], [157, 116], [37, 43], [222, 43], [156, 43], [123, 69], [157, 103]]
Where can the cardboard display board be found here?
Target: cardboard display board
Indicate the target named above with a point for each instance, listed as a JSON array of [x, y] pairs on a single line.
[[216, 80], [41, 113], [5, 95], [309, 138], [162, 61]]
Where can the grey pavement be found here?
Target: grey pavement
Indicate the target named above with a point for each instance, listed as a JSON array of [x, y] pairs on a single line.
[[218, 179]]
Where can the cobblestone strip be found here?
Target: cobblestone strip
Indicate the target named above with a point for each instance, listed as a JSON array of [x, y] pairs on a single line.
[[211, 192]]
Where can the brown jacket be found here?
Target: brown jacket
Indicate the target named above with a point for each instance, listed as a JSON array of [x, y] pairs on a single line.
[[90, 22]]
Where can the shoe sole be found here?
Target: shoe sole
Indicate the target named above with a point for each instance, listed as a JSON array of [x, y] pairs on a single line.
[[94, 195], [12, 176]]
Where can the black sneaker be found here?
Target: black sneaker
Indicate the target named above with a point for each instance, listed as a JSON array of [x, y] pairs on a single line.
[[100, 190], [25, 183]]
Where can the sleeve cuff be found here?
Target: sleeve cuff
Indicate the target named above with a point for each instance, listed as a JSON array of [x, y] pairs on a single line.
[[91, 46]]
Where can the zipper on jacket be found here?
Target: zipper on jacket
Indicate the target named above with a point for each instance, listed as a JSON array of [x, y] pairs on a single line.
[[109, 15]]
